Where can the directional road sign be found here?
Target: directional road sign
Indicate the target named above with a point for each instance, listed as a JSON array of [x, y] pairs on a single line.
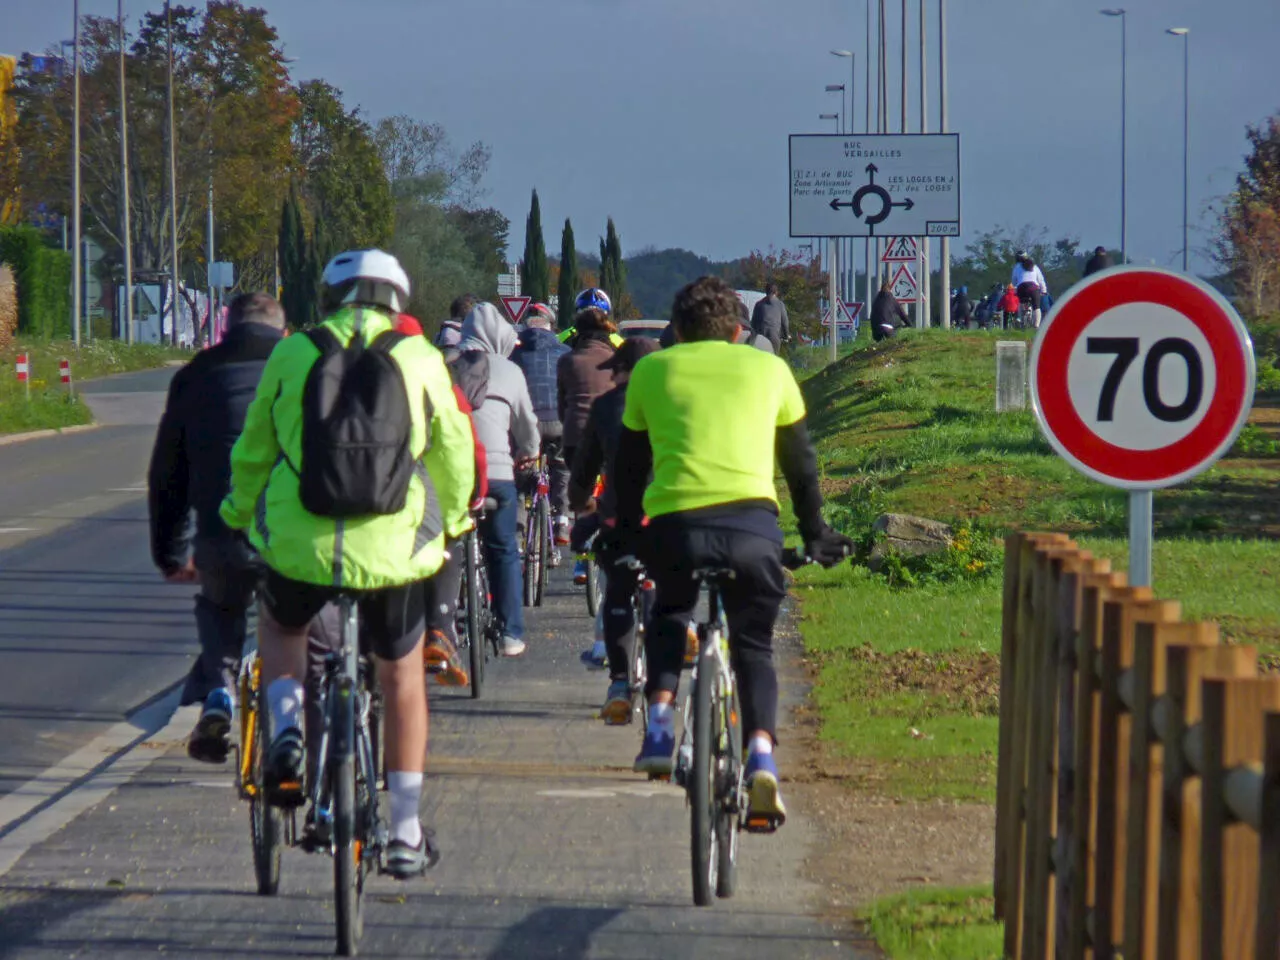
[[1142, 378], [866, 185], [900, 250], [903, 285], [516, 307]]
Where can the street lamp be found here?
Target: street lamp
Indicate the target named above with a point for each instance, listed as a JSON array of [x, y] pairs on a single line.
[[853, 80], [838, 88], [1124, 169], [1183, 32], [831, 116]]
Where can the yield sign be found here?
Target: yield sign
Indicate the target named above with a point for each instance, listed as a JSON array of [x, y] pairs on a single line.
[[903, 285], [900, 250], [845, 318], [516, 306]]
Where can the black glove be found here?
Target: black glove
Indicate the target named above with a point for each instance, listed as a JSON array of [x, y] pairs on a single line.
[[617, 542], [828, 547]]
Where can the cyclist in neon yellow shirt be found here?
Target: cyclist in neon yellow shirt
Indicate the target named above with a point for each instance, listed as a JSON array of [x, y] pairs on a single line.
[[708, 417]]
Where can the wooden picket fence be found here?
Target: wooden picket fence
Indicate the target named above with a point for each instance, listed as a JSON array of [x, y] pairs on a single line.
[[1138, 792]]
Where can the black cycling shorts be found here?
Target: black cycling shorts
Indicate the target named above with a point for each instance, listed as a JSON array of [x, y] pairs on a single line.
[[1029, 292], [392, 620]]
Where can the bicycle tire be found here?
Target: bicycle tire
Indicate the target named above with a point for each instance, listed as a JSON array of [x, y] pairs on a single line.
[[529, 569], [543, 526], [702, 786], [593, 585], [475, 622], [727, 834], [266, 823], [346, 864]]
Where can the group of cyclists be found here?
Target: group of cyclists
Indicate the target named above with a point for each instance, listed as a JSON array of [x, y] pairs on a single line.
[[350, 459], [1020, 303]]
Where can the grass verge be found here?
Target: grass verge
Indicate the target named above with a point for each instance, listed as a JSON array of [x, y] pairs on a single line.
[[908, 677], [941, 924], [49, 406]]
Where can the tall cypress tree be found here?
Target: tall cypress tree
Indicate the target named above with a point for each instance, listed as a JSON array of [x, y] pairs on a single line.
[[318, 253], [569, 281], [535, 277], [295, 274], [613, 272]]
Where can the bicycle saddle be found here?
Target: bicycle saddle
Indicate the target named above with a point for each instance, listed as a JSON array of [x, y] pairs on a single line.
[[715, 573]]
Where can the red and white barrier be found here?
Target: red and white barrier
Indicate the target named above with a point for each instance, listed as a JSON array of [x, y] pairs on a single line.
[[64, 371], [23, 367]]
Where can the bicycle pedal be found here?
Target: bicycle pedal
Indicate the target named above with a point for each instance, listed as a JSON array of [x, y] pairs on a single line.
[[761, 824], [288, 794], [664, 777]]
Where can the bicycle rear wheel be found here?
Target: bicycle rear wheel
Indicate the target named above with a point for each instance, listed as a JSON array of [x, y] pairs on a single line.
[[266, 824], [702, 785], [346, 854], [475, 623], [531, 560], [593, 585], [543, 526], [729, 762]]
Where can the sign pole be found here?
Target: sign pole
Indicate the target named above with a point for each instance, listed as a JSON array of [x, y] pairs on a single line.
[[832, 297], [1140, 538]]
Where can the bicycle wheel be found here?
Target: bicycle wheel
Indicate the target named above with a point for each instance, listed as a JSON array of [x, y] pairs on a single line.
[[475, 622], [730, 768], [593, 585], [702, 785], [531, 561], [266, 824], [346, 855], [543, 548]]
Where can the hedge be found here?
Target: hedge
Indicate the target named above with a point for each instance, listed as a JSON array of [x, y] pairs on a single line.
[[44, 281]]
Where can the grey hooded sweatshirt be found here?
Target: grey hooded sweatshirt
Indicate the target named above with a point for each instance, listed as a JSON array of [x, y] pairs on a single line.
[[505, 421]]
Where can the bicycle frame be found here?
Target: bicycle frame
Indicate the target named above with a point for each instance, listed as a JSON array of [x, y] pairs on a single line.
[[714, 644]]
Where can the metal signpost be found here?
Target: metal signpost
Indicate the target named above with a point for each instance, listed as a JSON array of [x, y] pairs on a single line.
[[1142, 378], [867, 185]]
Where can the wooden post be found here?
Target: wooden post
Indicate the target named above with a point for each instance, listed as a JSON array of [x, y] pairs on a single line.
[[1113, 754], [1178, 926], [1267, 941], [1008, 658], [1146, 759], [1229, 850]]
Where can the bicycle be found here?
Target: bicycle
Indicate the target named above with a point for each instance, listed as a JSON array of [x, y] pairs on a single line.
[[538, 536], [641, 605], [709, 760], [477, 624], [343, 816]]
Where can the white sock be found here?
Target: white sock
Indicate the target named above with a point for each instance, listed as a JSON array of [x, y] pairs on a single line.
[[405, 791], [663, 717], [762, 743], [284, 698]]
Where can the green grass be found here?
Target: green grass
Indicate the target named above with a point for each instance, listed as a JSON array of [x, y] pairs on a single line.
[[905, 675], [941, 924], [49, 406]]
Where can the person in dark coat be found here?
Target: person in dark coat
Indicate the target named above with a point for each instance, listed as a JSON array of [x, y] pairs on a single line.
[[537, 354], [887, 314], [191, 473], [961, 308], [1099, 261], [579, 375], [769, 318]]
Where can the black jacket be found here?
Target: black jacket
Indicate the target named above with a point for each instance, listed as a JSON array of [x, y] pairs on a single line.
[[203, 417], [961, 309], [1099, 261], [885, 310], [596, 449]]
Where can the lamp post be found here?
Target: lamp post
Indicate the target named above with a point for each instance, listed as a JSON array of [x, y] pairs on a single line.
[[173, 185], [1124, 140], [1184, 33], [76, 267], [851, 291], [839, 88], [127, 252], [945, 253]]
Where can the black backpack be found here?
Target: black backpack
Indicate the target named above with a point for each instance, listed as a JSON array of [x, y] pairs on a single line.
[[356, 428]]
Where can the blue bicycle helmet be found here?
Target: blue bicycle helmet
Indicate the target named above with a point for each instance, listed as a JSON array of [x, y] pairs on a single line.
[[593, 297]]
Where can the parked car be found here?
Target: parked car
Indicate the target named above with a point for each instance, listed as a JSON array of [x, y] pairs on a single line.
[[642, 328]]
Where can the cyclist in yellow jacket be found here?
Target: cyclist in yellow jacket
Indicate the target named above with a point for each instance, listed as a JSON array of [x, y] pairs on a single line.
[[380, 559]]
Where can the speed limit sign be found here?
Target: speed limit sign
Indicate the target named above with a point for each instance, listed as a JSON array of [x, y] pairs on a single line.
[[1142, 378]]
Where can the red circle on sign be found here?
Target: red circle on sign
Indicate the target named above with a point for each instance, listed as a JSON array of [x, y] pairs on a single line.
[[1232, 358]]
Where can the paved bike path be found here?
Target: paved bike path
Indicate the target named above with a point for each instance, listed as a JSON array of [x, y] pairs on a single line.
[[552, 848]]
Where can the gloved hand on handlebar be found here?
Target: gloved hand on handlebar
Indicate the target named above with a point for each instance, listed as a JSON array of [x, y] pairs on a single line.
[[828, 547]]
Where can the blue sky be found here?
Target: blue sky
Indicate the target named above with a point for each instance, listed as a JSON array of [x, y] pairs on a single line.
[[672, 115]]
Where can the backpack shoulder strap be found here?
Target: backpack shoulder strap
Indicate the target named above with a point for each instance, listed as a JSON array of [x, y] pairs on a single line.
[[324, 339], [387, 341]]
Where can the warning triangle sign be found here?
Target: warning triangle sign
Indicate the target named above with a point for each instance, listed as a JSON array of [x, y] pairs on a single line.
[[903, 285], [516, 306], [847, 312], [900, 250]]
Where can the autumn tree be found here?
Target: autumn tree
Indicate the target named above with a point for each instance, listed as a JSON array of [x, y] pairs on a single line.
[[8, 144], [567, 285], [1249, 241], [534, 278], [801, 282]]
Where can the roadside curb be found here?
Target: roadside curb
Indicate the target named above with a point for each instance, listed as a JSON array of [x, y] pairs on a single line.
[[40, 434]]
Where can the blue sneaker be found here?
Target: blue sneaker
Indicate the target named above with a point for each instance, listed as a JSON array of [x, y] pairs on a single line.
[[210, 741], [616, 711], [656, 753], [765, 810], [597, 658], [580, 572]]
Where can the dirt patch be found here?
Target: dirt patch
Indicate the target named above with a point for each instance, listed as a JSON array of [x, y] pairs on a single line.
[[972, 491], [966, 682]]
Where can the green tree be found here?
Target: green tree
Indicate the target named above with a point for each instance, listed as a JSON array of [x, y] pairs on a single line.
[[613, 273], [485, 232], [1248, 244], [567, 286], [801, 282], [296, 270], [534, 277]]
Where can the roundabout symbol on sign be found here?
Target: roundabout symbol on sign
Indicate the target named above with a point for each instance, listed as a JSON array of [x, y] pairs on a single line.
[[872, 189], [1142, 378]]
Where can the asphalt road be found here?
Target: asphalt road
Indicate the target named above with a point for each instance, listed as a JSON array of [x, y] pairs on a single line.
[[552, 847]]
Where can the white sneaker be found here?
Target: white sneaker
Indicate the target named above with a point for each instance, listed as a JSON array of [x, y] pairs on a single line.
[[512, 647], [562, 530]]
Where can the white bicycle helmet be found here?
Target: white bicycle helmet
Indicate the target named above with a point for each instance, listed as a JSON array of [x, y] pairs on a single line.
[[371, 277]]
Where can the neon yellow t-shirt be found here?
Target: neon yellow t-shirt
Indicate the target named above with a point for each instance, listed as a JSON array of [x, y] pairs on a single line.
[[711, 410]]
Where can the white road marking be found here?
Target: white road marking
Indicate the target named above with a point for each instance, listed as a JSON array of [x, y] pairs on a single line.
[[136, 488], [159, 724], [16, 529], [604, 793]]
